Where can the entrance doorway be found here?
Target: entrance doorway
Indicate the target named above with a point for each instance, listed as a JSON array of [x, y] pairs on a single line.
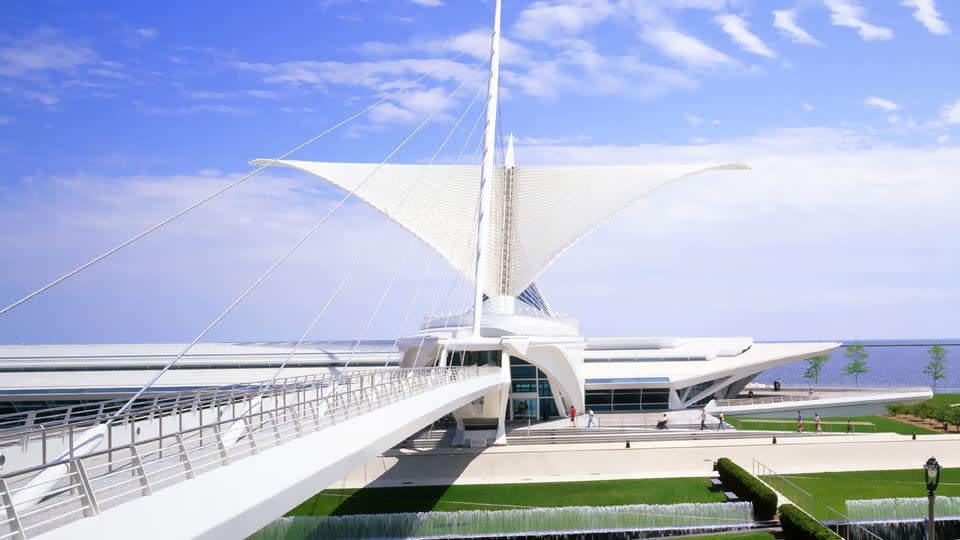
[[523, 407]]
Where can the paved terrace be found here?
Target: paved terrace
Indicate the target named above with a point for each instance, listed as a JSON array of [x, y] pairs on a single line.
[[651, 459]]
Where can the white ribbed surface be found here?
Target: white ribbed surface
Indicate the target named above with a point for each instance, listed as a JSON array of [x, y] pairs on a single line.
[[553, 207], [556, 206]]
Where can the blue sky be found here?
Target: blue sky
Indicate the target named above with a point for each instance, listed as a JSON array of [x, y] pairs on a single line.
[[114, 115]]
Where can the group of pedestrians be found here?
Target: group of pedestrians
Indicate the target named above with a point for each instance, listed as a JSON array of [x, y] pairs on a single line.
[[817, 423], [721, 422], [591, 418]]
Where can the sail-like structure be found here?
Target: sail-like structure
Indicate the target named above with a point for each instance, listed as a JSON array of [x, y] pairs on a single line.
[[536, 212]]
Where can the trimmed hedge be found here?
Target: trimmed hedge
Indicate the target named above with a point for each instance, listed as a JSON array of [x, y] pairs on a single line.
[[748, 488], [798, 525]]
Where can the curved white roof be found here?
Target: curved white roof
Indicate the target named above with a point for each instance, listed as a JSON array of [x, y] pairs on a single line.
[[538, 212]]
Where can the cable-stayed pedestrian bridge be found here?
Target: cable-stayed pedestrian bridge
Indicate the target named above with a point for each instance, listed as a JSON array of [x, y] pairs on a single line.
[[213, 463]]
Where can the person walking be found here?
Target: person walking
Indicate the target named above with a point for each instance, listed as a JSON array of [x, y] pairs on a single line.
[[721, 426], [573, 416], [799, 422], [703, 419], [591, 419], [816, 423]]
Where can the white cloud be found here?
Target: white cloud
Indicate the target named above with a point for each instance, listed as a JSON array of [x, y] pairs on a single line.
[[698, 140], [786, 22], [428, 3], [736, 28], [202, 108], [547, 20], [684, 48], [881, 103], [264, 94], [585, 72], [42, 51], [893, 119], [146, 33], [807, 106], [693, 119], [951, 113], [943, 139], [926, 12], [41, 97], [849, 13]]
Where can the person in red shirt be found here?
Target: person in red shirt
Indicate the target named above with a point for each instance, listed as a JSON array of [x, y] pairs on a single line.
[[573, 416]]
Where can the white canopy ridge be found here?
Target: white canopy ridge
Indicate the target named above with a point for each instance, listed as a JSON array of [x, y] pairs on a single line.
[[551, 208]]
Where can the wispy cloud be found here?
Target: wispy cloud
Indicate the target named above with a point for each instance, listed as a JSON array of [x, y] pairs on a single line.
[[926, 12], [686, 49], [147, 33], [881, 103], [786, 22], [4, 120], [807, 106], [850, 13], [737, 29], [428, 3], [693, 119], [548, 20], [44, 50], [951, 113], [41, 97]]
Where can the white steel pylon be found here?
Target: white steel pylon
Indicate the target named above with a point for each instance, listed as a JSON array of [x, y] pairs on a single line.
[[487, 169]]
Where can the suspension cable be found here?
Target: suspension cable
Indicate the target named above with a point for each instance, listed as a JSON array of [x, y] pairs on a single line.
[[243, 178], [284, 257], [423, 273]]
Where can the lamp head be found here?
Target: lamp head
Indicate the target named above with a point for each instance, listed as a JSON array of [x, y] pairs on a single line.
[[931, 473]]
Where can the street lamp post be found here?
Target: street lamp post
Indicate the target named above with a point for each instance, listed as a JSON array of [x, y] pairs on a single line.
[[931, 474]]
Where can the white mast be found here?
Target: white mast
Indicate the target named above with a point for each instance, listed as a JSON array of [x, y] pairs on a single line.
[[486, 169]]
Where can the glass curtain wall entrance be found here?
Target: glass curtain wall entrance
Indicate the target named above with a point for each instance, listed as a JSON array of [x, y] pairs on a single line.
[[531, 397]]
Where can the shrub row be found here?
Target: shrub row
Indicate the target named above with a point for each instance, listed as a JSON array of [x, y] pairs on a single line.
[[748, 488], [940, 413], [798, 525]]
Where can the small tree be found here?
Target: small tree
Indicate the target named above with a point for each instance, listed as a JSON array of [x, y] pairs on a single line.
[[857, 355], [937, 368], [814, 367]]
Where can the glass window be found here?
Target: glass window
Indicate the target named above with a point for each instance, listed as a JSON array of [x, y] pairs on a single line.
[[523, 386], [597, 398], [548, 407], [523, 372], [545, 390], [656, 395], [626, 396], [524, 409]]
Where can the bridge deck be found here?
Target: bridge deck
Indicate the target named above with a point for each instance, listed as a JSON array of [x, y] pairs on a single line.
[[246, 469]]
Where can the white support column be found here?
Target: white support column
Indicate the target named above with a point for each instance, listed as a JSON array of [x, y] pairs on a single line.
[[487, 169]]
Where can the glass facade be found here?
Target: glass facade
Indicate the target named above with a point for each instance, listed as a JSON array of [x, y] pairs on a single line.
[[473, 358], [530, 394], [628, 399]]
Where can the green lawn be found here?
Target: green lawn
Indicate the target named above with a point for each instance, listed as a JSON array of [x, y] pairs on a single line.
[[737, 535], [943, 399], [834, 489], [882, 424], [502, 496]]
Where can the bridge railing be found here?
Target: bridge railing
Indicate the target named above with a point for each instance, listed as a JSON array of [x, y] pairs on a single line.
[[40, 433], [53, 416], [44, 497]]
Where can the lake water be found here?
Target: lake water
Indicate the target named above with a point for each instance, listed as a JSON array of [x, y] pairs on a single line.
[[892, 363]]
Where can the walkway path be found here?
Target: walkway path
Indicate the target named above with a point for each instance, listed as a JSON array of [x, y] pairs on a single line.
[[652, 459]]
